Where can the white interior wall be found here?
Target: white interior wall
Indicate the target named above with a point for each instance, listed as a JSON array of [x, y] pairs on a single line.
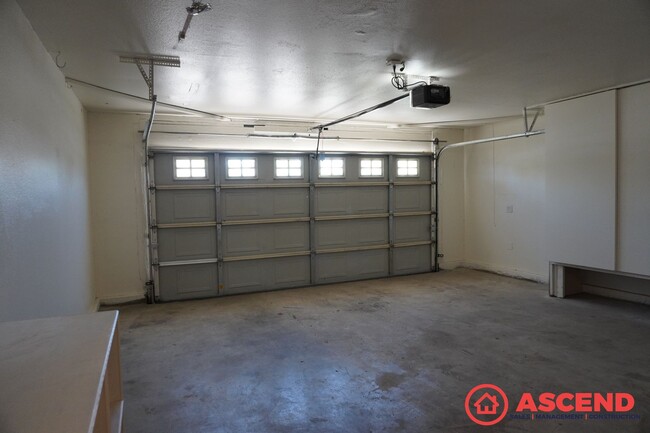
[[45, 248], [504, 202], [580, 209], [115, 157], [633, 217], [514, 172]]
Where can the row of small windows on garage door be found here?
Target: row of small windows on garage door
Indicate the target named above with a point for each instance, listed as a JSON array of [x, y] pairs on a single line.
[[288, 168]]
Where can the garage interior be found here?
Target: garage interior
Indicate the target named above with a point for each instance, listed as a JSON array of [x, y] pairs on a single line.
[[321, 216]]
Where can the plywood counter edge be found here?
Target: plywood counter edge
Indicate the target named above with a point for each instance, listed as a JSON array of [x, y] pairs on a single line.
[[102, 376]]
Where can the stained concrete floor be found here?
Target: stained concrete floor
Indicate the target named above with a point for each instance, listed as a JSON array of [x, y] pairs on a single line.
[[389, 355]]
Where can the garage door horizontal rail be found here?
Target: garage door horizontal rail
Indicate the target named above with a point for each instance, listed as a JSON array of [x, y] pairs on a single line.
[[188, 262], [265, 256], [349, 184], [350, 217], [286, 185], [412, 244], [186, 225], [265, 221], [289, 220], [292, 254], [264, 185], [182, 187]]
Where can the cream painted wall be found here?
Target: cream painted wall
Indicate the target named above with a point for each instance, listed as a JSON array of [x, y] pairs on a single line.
[[504, 202], [115, 156], [45, 267]]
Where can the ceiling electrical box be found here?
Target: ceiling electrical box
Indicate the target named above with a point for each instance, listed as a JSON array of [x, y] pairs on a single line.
[[430, 96]]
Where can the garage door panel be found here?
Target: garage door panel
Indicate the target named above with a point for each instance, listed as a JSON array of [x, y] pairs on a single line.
[[351, 200], [331, 201], [265, 239], [253, 204], [409, 198], [412, 228], [412, 260], [290, 237], [187, 243], [348, 233], [369, 200], [290, 202], [185, 206], [242, 204], [349, 266], [267, 274], [188, 282]]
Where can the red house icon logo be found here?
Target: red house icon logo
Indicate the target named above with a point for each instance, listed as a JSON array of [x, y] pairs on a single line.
[[488, 409], [487, 404]]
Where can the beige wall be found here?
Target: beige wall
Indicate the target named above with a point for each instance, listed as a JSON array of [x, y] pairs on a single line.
[[452, 206], [45, 247], [115, 155]]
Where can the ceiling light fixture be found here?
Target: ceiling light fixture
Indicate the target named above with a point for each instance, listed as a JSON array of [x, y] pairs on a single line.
[[196, 8]]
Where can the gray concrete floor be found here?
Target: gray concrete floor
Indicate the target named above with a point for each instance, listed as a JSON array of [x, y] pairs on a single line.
[[389, 355]]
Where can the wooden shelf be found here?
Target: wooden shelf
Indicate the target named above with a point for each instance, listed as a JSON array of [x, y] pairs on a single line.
[[61, 375]]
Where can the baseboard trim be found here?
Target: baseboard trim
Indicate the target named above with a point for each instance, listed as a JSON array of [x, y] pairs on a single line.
[[506, 271]]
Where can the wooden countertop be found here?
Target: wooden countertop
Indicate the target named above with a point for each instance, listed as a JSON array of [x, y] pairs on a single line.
[[51, 372]]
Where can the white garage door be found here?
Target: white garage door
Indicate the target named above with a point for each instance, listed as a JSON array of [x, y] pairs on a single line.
[[225, 223]]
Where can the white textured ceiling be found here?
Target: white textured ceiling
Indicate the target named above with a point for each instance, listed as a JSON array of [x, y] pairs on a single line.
[[325, 59]]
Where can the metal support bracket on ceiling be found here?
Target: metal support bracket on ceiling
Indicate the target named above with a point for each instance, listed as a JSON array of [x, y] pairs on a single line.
[[142, 61], [529, 127]]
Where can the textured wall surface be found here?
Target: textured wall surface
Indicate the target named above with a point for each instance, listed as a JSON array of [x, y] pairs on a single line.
[[44, 224]]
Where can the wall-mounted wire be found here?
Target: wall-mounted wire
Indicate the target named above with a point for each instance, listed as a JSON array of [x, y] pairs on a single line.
[[399, 81]]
